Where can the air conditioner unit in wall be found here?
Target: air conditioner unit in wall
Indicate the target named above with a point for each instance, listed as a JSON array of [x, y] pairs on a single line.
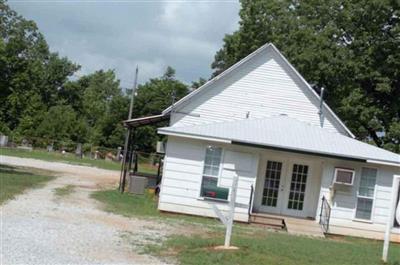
[[344, 176]]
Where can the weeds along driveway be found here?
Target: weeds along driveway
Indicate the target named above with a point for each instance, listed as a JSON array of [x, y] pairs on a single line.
[[43, 227]]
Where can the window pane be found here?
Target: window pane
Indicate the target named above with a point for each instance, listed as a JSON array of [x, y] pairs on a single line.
[[207, 170], [212, 161], [364, 208], [210, 189], [367, 182]]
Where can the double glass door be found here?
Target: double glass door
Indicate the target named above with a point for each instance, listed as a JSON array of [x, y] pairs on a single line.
[[284, 187]]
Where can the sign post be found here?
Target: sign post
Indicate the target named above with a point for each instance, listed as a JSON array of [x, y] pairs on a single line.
[[389, 225], [228, 220]]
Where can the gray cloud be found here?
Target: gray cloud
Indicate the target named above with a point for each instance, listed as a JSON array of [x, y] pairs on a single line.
[[120, 35]]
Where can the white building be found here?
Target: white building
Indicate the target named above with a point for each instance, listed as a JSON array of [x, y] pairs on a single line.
[[261, 121]]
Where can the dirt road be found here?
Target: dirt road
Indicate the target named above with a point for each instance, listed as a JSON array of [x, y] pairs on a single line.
[[40, 228]]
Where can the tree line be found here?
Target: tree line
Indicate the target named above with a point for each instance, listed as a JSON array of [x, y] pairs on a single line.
[[42, 101], [351, 48]]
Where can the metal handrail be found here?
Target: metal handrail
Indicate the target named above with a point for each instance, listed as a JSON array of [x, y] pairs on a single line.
[[325, 214], [251, 198]]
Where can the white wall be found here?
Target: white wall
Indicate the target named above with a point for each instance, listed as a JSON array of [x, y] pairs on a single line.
[[181, 182], [182, 176], [264, 86], [345, 199]]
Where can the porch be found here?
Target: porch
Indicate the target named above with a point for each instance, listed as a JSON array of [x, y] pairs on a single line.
[[296, 226]]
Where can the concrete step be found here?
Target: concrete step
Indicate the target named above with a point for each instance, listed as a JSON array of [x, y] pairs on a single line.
[[303, 227], [271, 221]]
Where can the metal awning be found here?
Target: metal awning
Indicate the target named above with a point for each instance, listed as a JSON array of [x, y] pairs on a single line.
[[137, 122]]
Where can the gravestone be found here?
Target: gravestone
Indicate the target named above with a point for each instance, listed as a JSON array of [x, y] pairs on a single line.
[[119, 153], [78, 151], [3, 140]]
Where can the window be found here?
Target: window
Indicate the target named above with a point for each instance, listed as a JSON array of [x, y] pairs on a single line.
[[344, 176], [209, 185], [366, 191]]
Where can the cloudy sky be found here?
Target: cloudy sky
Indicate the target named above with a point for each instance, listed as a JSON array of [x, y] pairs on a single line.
[[121, 34]]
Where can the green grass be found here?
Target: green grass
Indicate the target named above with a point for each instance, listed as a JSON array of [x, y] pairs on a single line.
[[127, 204], [72, 159], [257, 245], [265, 247], [64, 191], [14, 181], [58, 157], [141, 206]]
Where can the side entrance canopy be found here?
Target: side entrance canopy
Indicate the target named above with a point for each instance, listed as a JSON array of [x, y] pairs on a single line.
[[129, 151], [137, 122]]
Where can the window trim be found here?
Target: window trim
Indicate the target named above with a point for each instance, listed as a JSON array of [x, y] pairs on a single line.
[[373, 198], [346, 170], [217, 177]]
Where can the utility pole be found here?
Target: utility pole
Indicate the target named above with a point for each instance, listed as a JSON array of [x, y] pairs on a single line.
[[127, 136], [173, 98], [133, 93]]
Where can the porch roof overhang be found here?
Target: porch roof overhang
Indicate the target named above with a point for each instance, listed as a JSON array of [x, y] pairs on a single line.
[[287, 134], [137, 122]]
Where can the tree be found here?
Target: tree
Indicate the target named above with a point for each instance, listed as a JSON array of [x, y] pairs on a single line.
[[199, 83], [152, 98], [61, 125], [98, 98], [156, 95], [352, 48], [30, 75]]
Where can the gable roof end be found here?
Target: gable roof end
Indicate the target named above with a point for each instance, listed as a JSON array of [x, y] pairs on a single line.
[[246, 59]]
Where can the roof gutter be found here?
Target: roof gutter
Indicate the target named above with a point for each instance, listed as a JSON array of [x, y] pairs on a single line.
[[192, 136], [304, 152], [379, 162]]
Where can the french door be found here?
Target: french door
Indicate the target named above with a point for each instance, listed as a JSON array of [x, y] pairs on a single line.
[[284, 187]]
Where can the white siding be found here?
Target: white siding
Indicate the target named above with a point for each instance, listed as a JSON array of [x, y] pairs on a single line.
[[181, 182], [264, 86], [345, 199]]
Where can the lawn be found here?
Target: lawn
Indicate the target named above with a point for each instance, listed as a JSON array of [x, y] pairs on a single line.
[[142, 206], [72, 159], [14, 181], [266, 247], [256, 245]]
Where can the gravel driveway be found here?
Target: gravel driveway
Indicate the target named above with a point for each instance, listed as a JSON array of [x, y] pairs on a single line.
[[40, 228]]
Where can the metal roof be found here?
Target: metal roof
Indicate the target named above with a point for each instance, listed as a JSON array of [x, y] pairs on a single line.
[[286, 133], [146, 120]]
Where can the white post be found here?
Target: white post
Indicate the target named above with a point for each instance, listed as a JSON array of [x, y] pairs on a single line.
[[389, 225], [232, 203]]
